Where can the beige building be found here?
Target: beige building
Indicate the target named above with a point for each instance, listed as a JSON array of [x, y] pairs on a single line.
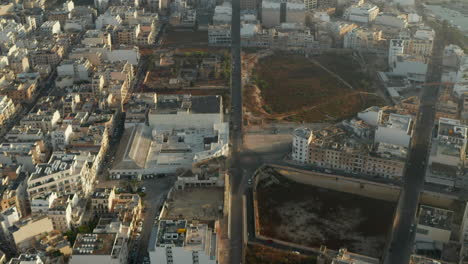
[[126, 205], [24, 233], [57, 214], [7, 109], [347, 149], [44, 57]]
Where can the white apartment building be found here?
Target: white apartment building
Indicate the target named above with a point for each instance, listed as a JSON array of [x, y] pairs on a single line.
[[414, 68], [300, 145], [24, 134], [50, 27], [79, 70], [17, 154], [178, 242], [396, 48], [8, 218], [219, 35], [107, 19], [41, 203], [46, 121], [365, 13], [62, 174], [447, 156]]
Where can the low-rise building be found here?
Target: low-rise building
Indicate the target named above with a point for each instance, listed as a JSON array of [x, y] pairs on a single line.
[[17, 154], [391, 20], [365, 13], [24, 233], [434, 225], [40, 204], [27, 259], [13, 192], [24, 134], [414, 68], [105, 248], [45, 121], [365, 40], [447, 156], [181, 242], [168, 144], [341, 149]]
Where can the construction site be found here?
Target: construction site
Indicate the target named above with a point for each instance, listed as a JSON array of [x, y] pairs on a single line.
[[315, 209]]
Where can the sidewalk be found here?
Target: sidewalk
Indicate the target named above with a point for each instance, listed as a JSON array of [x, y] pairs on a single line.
[[224, 248]]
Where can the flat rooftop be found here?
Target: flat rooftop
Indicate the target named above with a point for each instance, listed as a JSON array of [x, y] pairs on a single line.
[[435, 217], [171, 104], [400, 122], [339, 139], [94, 244], [452, 128], [171, 233], [57, 163]]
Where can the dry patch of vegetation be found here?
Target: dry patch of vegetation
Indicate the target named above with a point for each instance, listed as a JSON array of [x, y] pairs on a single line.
[[293, 88]]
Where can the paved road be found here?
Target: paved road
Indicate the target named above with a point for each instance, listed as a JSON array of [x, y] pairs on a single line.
[[402, 238], [235, 215], [157, 190], [401, 246]]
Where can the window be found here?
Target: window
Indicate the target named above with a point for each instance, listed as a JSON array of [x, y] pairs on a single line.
[[422, 231]]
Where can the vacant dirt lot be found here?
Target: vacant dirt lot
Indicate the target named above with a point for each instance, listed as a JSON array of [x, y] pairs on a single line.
[[257, 254], [314, 216], [293, 88], [347, 68]]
